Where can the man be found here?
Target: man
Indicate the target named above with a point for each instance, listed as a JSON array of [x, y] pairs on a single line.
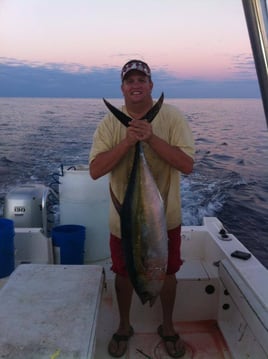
[[169, 150]]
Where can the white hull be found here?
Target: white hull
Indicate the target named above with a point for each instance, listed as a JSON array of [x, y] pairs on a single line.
[[221, 308]]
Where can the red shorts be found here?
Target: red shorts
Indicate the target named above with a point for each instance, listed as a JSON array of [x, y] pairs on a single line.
[[174, 253]]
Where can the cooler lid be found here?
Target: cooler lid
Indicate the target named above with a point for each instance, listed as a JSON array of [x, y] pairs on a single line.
[[50, 311]]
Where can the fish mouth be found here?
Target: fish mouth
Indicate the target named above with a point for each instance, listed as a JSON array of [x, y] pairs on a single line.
[[147, 297]]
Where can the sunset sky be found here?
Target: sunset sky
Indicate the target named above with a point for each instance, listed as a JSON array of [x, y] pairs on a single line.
[[196, 48]]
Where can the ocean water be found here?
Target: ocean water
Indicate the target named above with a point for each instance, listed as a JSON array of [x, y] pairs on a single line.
[[230, 177]]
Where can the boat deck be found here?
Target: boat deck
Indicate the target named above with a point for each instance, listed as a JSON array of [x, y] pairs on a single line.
[[202, 338]]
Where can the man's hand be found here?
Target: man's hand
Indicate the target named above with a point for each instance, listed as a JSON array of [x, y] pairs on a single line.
[[139, 130]]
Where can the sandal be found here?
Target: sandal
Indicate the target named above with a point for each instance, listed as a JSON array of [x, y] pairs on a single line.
[[174, 353], [118, 339]]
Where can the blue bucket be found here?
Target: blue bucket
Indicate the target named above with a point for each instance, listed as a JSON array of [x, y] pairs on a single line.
[[7, 251], [69, 240]]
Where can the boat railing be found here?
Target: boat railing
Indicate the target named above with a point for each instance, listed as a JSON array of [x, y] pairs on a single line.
[[257, 22]]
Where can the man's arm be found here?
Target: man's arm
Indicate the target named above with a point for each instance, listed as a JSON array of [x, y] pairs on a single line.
[[105, 161], [173, 155], [140, 131]]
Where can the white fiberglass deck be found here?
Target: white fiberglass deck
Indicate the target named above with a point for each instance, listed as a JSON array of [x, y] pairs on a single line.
[[202, 337]]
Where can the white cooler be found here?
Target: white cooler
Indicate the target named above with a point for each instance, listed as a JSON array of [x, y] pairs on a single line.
[[50, 311]]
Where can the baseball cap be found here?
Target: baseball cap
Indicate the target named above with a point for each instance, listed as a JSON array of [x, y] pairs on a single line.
[[137, 65]]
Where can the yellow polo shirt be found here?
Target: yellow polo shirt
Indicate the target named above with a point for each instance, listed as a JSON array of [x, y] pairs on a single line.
[[171, 126]]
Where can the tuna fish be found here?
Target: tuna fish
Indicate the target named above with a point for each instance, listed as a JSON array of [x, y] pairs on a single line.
[[143, 222]]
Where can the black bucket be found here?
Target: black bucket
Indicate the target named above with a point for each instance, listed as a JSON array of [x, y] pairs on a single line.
[[7, 251], [68, 243]]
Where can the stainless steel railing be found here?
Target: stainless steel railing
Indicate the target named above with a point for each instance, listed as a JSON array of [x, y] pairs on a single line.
[[257, 22]]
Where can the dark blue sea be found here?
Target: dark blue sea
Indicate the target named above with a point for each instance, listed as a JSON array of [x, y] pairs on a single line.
[[230, 177]]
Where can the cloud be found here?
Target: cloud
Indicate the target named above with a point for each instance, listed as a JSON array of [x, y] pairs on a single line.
[[32, 79], [243, 66]]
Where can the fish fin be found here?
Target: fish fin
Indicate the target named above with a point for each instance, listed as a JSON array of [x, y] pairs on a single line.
[[115, 201], [124, 119], [150, 115], [121, 116]]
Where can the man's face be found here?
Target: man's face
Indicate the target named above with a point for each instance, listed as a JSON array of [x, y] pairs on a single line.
[[136, 87]]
